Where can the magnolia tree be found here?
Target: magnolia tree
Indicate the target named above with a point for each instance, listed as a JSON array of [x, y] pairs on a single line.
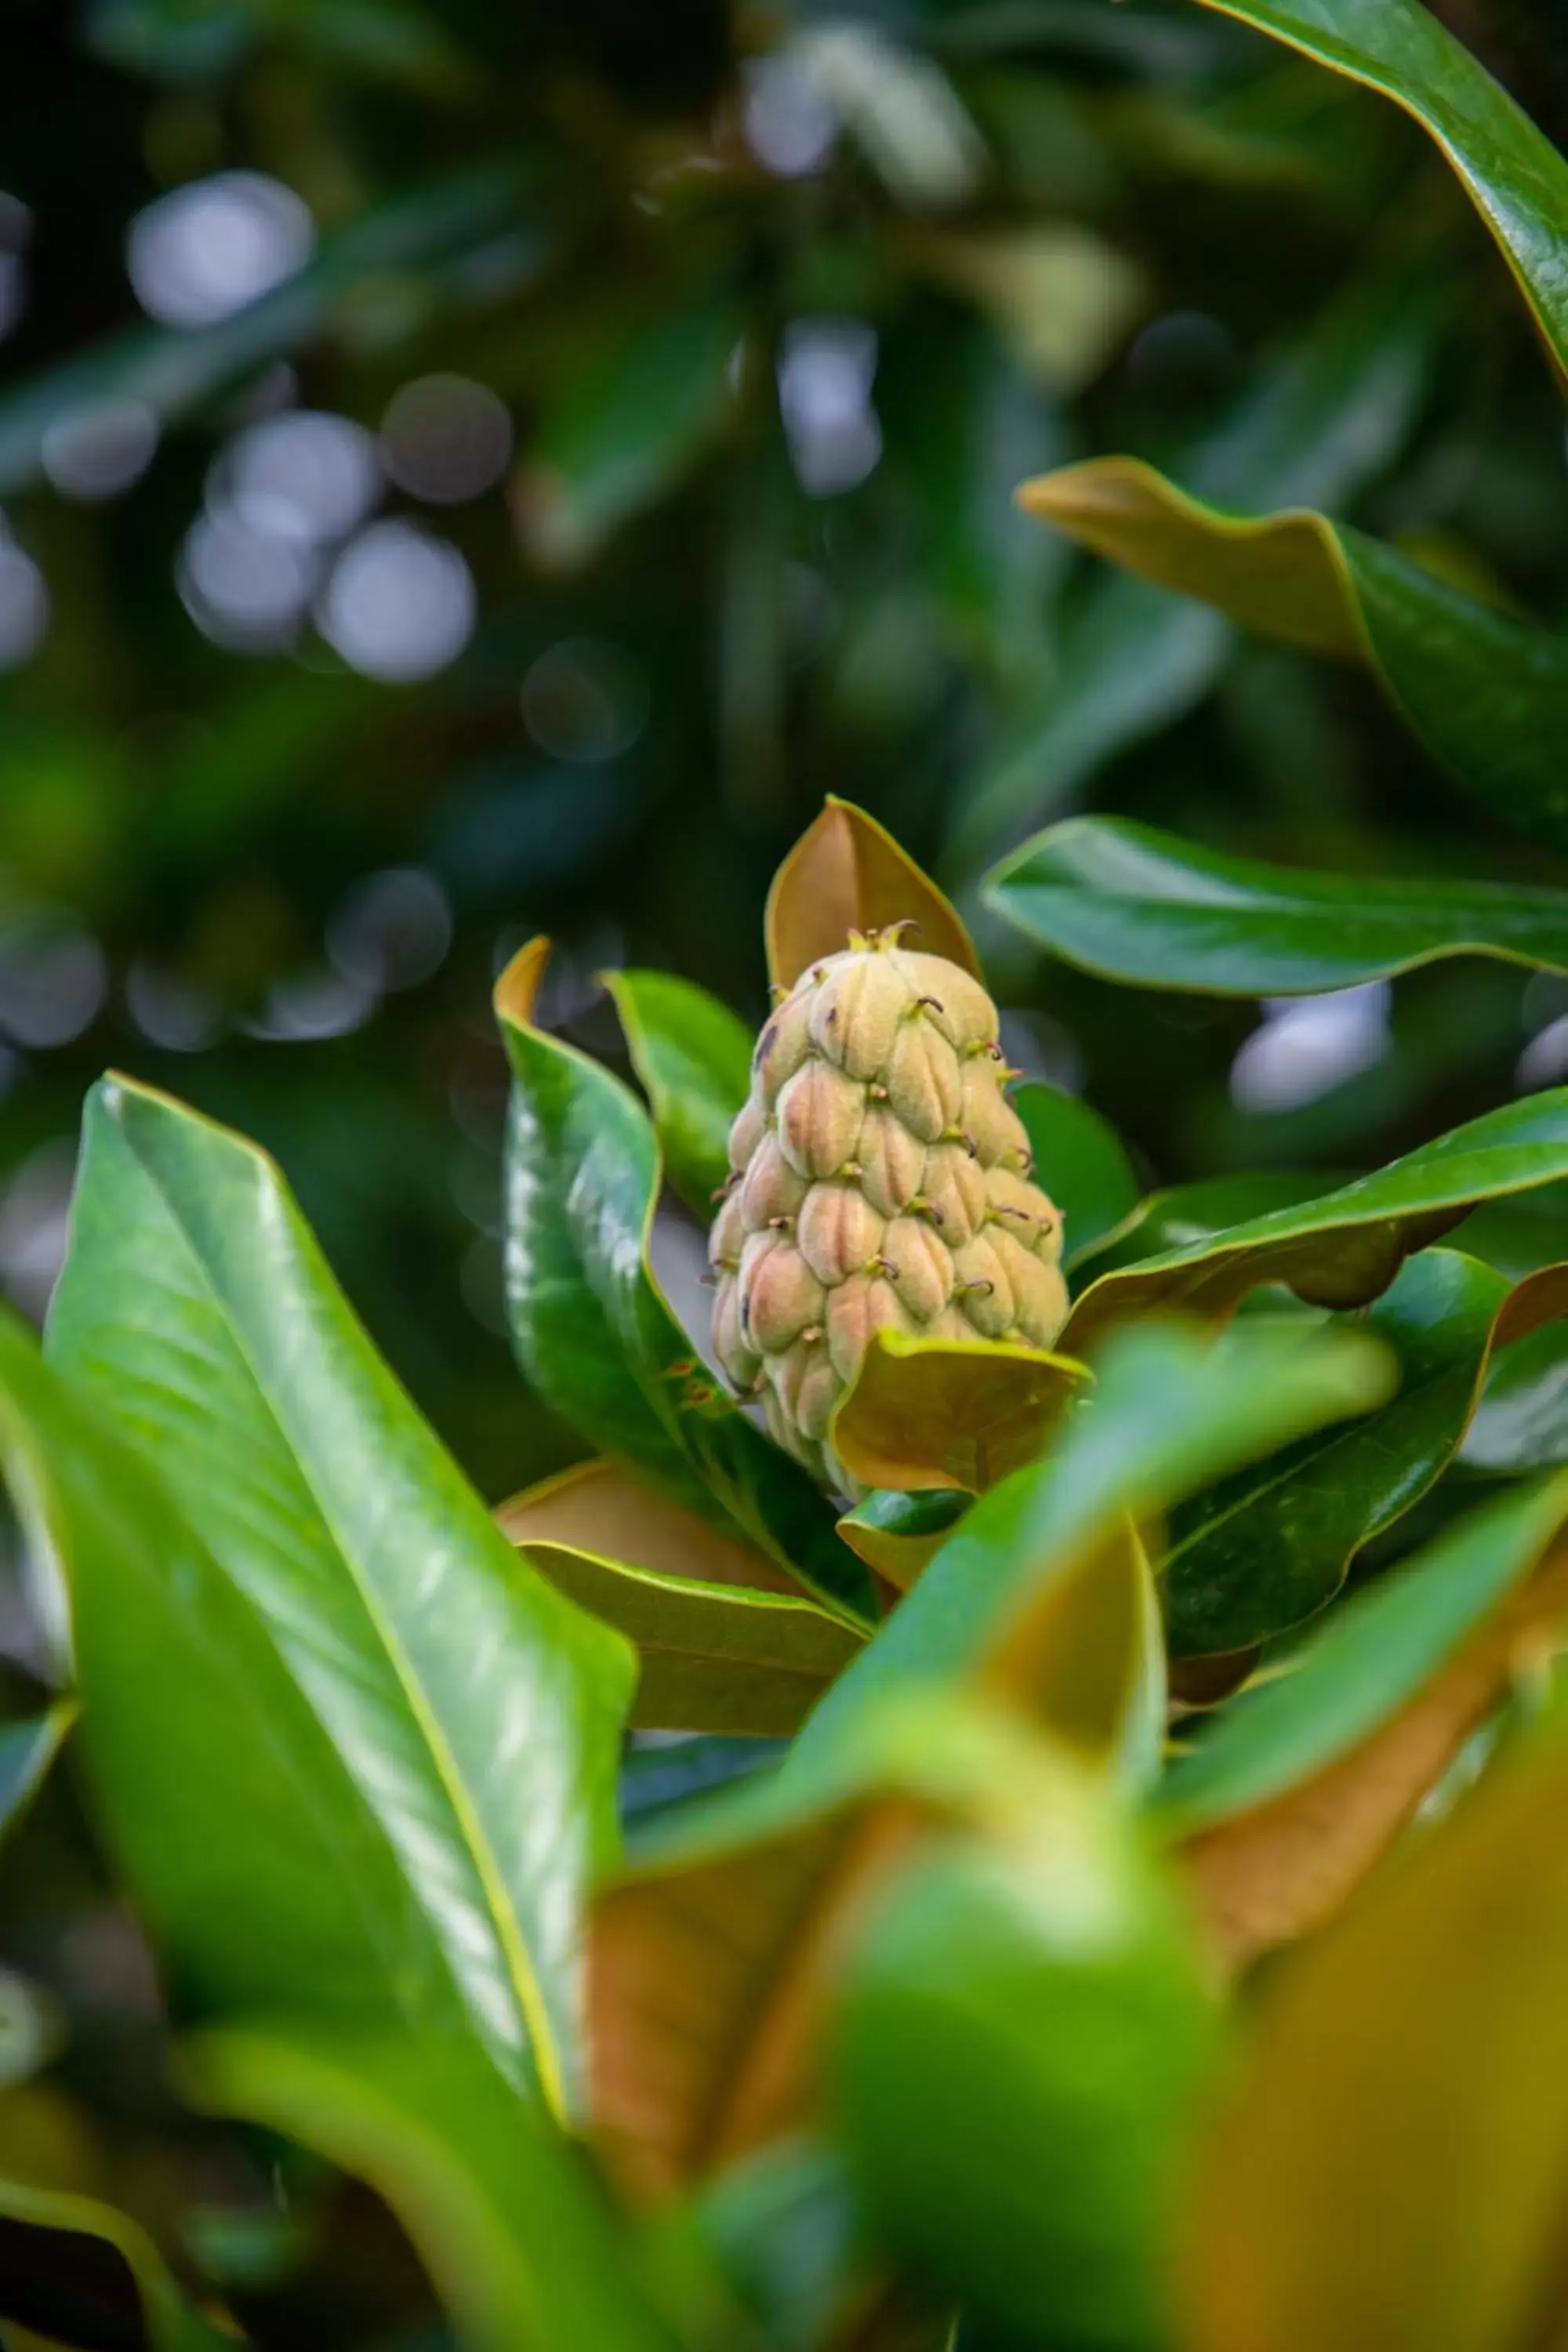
[[1063, 1600]]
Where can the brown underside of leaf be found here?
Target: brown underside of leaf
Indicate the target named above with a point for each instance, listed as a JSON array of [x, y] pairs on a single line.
[[600, 1506], [1273, 1874], [846, 874], [705, 1989], [949, 1413]]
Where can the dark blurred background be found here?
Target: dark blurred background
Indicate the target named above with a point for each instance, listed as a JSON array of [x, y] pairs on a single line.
[[467, 469]]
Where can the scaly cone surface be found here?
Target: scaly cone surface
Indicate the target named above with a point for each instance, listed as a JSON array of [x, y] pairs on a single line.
[[879, 1178]]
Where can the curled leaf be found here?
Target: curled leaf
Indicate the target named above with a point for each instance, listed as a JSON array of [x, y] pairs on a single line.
[[847, 874], [925, 1413]]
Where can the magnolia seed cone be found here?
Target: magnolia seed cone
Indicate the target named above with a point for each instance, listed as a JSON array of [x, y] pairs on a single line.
[[880, 1180]]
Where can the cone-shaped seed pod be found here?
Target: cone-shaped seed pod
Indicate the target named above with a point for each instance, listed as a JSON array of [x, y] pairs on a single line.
[[880, 1179]]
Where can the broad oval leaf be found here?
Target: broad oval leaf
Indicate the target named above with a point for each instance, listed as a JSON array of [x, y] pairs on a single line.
[[1139, 906], [447, 1723], [1180, 1213], [1487, 694], [1300, 1784], [847, 874], [1515, 177], [1270, 1545], [1346, 1246], [1080, 1160], [693, 1057], [590, 1329], [1410, 2069], [948, 1412]]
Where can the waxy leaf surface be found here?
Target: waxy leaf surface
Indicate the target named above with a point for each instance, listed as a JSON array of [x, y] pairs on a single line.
[[1146, 908], [1515, 177], [1344, 1247], [1487, 694], [693, 1058], [432, 1729], [925, 1413], [1269, 1547], [591, 1331]]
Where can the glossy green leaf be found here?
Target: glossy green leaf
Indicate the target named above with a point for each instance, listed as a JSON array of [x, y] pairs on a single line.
[[1080, 1160], [1410, 2069], [1518, 1234], [948, 1412], [1135, 905], [693, 1058], [1184, 1213], [175, 371], [1374, 1656], [28, 1750], [899, 1534], [1515, 177], [77, 2271], [1017, 2055], [1346, 1246], [1487, 695], [503, 2211], [1325, 417], [628, 427], [713, 1657], [1272, 1545], [298, 1534], [593, 1333], [1521, 1421], [1168, 1414]]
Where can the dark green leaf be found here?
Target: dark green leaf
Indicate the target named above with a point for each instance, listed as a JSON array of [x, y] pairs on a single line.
[[1143, 906], [694, 1060], [591, 1331], [1487, 695], [326, 1706], [1080, 1160], [898, 1534], [1272, 1545], [1345, 1247], [1516, 178], [1521, 1421], [1367, 1662]]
